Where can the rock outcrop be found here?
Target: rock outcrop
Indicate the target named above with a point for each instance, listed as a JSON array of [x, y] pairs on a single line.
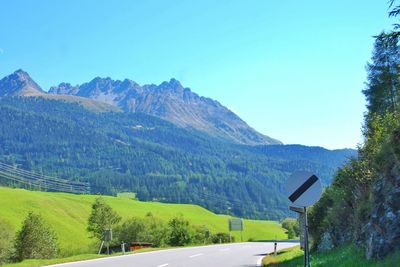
[[383, 229]]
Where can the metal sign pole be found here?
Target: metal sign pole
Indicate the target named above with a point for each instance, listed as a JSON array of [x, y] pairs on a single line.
[[306, 249]]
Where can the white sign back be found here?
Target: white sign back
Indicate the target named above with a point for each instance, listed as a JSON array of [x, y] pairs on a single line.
[[303, 189]]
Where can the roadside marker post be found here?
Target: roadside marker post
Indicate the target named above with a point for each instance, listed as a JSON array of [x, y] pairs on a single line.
[[303, 190]]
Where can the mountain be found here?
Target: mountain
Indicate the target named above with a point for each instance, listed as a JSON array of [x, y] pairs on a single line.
[[19, 84], [172, 102], [122, 151]]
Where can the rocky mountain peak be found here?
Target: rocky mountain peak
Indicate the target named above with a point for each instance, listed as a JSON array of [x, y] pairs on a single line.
[[19, 83], [173, 85]]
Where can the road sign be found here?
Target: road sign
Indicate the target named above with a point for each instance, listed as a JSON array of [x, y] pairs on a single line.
[[303, 188], [107, 235], [236, 225]]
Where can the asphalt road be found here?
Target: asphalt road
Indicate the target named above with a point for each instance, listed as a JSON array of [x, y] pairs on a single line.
[[247, 254]]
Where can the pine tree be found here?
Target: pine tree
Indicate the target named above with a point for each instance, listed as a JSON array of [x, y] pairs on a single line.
[[382, 88]]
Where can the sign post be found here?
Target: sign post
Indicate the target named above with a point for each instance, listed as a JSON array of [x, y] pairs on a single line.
[[236, 225], [303, 190]]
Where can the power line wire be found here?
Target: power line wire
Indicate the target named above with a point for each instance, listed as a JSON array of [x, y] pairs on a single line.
[[42, 182]]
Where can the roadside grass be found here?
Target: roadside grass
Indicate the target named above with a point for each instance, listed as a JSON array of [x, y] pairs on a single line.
[[347, 256], [68, 214]]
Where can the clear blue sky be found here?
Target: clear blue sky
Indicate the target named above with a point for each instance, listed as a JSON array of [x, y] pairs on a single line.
[[294, 69]]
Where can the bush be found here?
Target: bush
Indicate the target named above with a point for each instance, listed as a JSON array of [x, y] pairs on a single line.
[[156, 231], [132, 230], [6, 242], [201, 234], [179, 232], [221, 238], [292, 227], [36, 240]]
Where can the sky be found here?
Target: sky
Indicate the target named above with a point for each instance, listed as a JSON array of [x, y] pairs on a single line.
[[293, 69]]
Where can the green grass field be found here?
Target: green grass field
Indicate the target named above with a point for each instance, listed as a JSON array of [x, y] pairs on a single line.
[[68, 214], [347, 256]]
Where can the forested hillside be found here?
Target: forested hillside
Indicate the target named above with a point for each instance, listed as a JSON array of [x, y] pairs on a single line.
[[363, 204], [117, 152]]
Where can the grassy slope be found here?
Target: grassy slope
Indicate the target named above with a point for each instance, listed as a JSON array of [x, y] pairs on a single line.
[[342, 257], [68, 214]]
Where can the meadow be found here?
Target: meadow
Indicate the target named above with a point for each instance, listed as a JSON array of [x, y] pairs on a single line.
[[67, 214]]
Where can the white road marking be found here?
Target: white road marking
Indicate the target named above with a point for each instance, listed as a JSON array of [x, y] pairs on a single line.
[[259, 262], [163, 265], [196, 255], [225, 249]]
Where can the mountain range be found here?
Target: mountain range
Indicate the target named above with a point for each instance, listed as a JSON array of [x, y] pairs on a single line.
[[169, 100], [105, 133]]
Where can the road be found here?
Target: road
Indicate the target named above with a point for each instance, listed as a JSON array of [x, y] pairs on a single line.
[[247, 254]]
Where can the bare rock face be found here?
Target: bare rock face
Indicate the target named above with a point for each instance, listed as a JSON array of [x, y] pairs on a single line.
[[19, 84], [170, 101], [383, 228]]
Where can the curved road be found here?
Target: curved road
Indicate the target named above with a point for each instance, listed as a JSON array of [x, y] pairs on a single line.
[[247, 254]]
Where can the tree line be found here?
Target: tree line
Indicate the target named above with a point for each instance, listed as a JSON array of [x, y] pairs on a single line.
[[150, 229]]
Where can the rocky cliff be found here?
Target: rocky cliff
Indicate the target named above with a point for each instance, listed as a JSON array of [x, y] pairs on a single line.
[[170, 101]]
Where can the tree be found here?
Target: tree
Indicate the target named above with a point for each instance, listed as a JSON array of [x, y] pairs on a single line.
[[179, 234], [156, 230], [36, 240], [382, 87], [103, 217], [6, 241], [132, 230], [394, 12]]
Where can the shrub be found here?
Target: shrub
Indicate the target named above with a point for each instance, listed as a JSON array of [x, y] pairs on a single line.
[[35, 240], [179, 232], [221, 238], [132, 230], [201, 234], [156, 230], [6, 242], [292, 227]]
